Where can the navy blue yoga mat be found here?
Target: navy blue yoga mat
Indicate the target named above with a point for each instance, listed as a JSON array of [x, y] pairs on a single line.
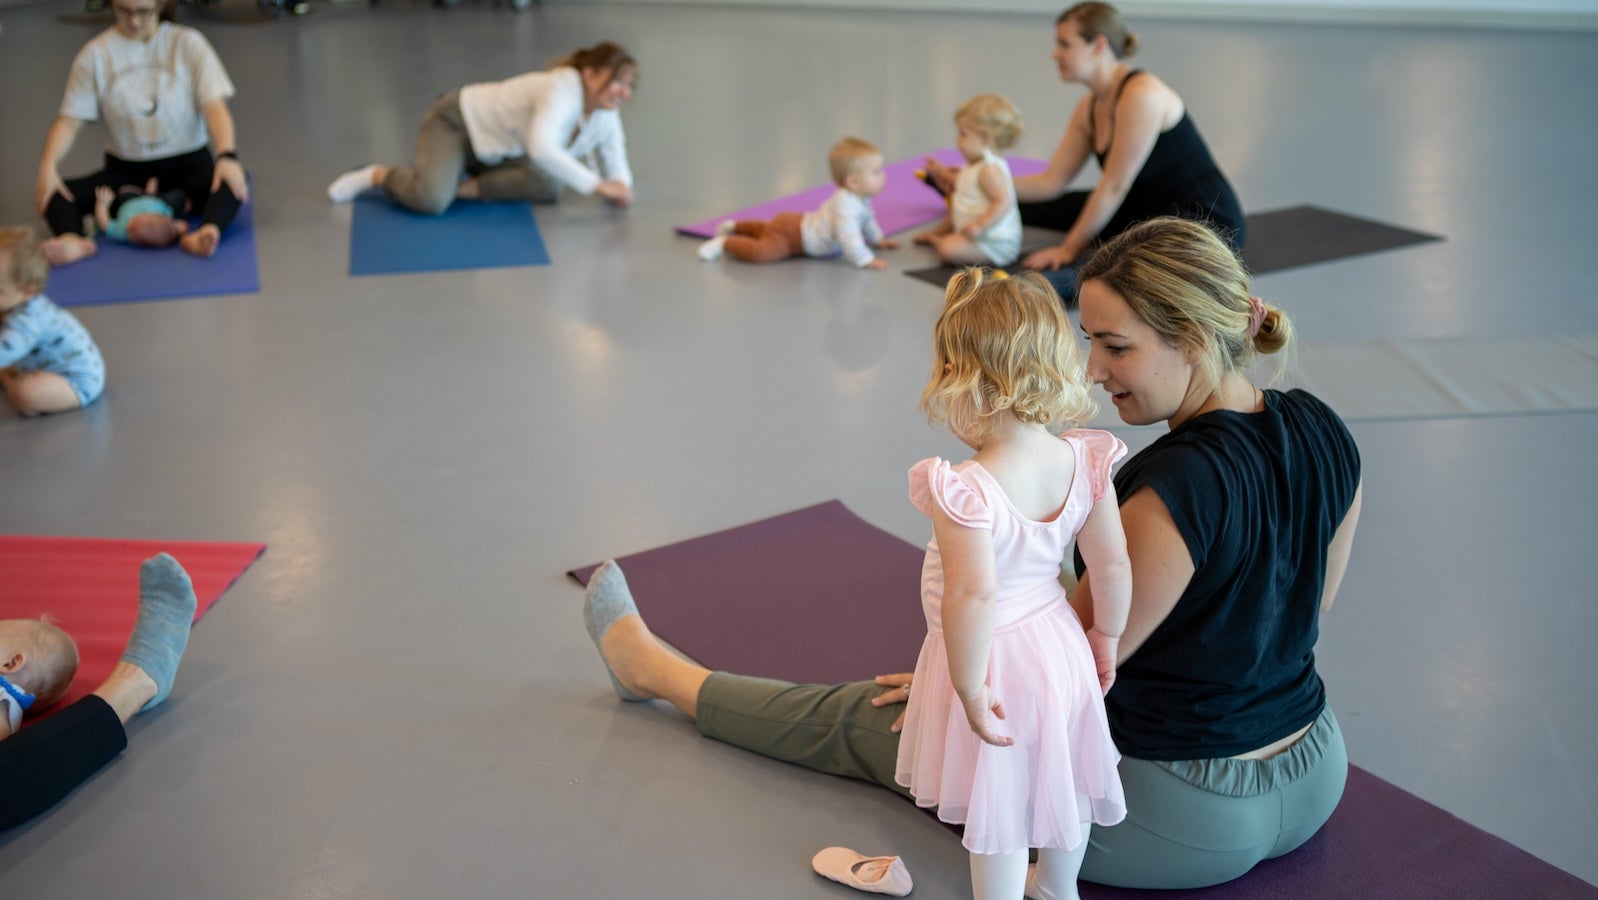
[[821, 596], [123, 273], [386, 239]]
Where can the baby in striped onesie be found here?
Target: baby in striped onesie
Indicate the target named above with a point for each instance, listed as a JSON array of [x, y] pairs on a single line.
[[844, 225]]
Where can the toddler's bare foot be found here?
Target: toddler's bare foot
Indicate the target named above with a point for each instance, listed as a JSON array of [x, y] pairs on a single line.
[[202, 242]]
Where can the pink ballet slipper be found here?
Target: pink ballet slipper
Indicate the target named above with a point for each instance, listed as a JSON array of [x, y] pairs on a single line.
[[872, 874]]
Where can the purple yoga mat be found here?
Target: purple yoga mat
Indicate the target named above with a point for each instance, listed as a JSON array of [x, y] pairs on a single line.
[[905, 203], [821, 596], [1386, 842], [814, 596]]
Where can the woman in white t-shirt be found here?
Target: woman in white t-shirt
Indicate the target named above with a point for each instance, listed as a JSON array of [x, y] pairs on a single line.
[[162, 93], [517, 139]]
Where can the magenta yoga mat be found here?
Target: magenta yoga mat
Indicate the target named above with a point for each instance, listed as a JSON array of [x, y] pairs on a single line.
[[905, 203]]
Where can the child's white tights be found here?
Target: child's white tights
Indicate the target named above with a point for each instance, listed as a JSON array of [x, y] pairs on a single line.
[[1006, 876]]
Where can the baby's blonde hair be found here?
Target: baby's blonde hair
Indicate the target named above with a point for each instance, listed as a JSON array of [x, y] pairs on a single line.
[[1004, 343], [848, 155], [52, 658], [993, 117], [24, 260]]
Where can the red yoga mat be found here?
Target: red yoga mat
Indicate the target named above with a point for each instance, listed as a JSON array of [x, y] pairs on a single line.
[[90, 586], [822, 596]]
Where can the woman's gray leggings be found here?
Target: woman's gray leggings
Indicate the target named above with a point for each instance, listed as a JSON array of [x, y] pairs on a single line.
[[444, 153]]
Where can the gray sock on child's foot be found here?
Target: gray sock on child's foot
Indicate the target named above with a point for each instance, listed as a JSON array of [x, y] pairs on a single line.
[[166, 610], [607, 600]]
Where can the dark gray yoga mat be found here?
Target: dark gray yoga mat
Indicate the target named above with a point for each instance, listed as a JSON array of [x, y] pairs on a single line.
[[821, 596], [1286, 239], [1305, 235]]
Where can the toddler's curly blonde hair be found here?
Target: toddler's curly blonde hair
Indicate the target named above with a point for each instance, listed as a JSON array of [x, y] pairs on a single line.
[[993, 117], [1004, 343]]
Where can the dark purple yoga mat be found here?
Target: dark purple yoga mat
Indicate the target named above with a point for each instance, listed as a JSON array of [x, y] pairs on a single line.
[[1386, 842], [821, 596], [813, 596], [905, 203]]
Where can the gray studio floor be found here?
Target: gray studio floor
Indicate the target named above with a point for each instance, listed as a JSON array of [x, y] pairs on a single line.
[[399, 699]]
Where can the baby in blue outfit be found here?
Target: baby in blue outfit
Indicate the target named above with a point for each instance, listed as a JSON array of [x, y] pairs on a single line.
[[146, 218], [48, 362]]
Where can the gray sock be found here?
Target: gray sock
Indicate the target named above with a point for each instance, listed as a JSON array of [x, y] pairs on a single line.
[[166, 610], [607, 600]]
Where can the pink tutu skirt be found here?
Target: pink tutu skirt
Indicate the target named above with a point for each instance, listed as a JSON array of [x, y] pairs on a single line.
[[1060, 773]]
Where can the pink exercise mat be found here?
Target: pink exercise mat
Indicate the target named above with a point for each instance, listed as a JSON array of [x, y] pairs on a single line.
[[90, 586], [904, 204]]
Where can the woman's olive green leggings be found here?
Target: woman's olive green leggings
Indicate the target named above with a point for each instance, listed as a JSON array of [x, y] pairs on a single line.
[[1189, 824]]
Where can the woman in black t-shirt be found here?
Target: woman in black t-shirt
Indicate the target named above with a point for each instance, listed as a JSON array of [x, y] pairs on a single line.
[[1239, 523]]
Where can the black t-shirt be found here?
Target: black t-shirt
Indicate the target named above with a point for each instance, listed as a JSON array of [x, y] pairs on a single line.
[[1257, 498]]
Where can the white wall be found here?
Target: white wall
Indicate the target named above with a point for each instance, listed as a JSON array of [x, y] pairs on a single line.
[[1562, 14]]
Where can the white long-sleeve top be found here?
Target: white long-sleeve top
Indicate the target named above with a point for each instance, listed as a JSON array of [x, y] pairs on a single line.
[[540, 115], [844, 224]]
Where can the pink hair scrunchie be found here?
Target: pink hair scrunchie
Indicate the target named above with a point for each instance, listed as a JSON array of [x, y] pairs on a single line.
[[1256, 315]]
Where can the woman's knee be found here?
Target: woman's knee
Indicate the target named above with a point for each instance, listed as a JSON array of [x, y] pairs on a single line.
[[63, 216], [428, 200], [431, 205]]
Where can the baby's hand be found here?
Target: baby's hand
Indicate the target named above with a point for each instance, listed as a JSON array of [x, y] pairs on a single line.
[[888, 244], [976, 713], [971, 231], [940, 174], [926, 238], [103, 194], [877, 264]]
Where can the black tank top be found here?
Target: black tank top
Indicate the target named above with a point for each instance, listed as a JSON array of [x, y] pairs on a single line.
[[1180, 164]]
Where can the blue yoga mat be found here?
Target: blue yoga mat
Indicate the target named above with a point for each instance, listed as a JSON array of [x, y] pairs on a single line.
[[386, 239], [123, 273]]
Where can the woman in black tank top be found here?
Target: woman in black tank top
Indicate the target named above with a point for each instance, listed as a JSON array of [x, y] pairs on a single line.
[[1154, 161]]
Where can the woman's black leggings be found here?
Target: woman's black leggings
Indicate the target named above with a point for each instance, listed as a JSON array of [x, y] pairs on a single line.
[[43, 763], [1219, 210], [190, 172]]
